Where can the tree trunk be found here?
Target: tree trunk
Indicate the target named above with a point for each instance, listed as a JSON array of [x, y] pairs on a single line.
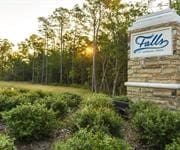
[[33, 64], [107, 86], [104, 69], [116, 78], [96, 26], [23, 73], [94, 88], [72, 63], [61, 51], [42, 71], [46, 62]]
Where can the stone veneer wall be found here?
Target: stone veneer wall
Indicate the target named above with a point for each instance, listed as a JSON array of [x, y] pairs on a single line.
[[163, 69]]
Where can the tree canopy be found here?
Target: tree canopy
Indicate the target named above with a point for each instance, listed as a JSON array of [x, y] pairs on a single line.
[[85, 46]]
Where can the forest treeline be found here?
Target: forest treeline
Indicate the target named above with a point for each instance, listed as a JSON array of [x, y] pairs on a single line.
[[85, 46]]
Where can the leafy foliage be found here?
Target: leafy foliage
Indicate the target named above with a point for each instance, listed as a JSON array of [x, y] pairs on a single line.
[[175, 145], [140, 106], [9, 92], [72, 100], [27, 122], [90, 140], [11, 98], [156, 126], [6, 103], [61, 103], [6, 143], [104, 119], [98, 100], [121, 98]]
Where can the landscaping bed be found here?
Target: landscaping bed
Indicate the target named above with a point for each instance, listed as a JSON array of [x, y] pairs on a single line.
[[36, 120]]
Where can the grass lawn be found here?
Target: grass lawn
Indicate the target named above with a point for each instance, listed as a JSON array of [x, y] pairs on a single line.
[[46, 88]]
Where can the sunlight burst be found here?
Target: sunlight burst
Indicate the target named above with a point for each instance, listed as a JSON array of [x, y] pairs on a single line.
[[89, 51]]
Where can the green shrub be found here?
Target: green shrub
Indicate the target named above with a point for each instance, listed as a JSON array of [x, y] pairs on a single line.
[[6, 143], [89, 140], [98, 100], [7, 103], [56, 104], [23, 90], [27, 122], [31, 97], [157, 126], [121, 98], [72, 100], [104, 119], [140, 106], [42, 94], [9, 92], [62, 103], [9, 100], [175, 145]]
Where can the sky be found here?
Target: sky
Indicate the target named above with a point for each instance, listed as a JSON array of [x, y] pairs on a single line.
[[18, 18]]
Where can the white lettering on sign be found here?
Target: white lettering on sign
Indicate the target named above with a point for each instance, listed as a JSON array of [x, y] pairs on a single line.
[[152, 43]]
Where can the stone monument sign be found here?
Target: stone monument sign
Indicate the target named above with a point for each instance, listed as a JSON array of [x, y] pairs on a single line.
[[154, 58]]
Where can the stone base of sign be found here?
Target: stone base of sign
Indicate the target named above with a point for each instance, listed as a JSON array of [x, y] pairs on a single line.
[[162, 69], [165, 97]]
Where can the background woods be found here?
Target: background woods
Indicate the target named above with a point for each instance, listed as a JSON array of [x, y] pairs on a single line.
[[84, 46]]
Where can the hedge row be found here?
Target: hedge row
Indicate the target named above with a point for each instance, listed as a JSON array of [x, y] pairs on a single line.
[[34, 115], [97, 126]]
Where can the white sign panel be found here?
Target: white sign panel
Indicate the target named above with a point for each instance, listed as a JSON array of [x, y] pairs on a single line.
[[152, 43]]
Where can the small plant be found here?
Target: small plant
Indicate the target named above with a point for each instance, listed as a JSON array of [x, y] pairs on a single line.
[[72, 100], [62, 103], [11, 98], [56, 104], [104, 119], [30, 97], [23, 90], [6, 143], [140, 106], [121, 98], [98, 100], [7, 103], [157, 126], [9, 92], [175, 145], [90, 140], [27, 122]]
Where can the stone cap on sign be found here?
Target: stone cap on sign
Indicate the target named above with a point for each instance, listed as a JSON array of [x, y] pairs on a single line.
[[174, 86], [161, 17]]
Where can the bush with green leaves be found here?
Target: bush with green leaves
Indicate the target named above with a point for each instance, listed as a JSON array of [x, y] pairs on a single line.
[[7, 103], [72, 100], [175, 145], [62, 103], [6, 143], [140, 106], [121, 98], [90, 140], [9, 100], [27, 122], [9, 92], [56, 104], [98, 100], [157, 126], [30, 97], [104, 119]]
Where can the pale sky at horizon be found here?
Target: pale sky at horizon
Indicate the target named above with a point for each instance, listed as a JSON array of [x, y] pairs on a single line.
[[18, 18]]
